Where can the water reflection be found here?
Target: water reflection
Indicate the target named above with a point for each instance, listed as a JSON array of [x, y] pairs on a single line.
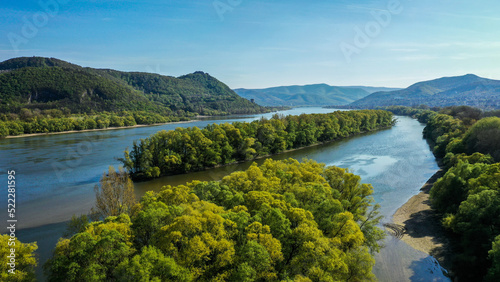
[[367, 166]]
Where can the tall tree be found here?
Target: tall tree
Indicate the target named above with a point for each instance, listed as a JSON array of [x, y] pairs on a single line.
[[115, 193]]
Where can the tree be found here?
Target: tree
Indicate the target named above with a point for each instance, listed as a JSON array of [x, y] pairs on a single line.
[[25, 260], [151, 265], [484, 137], [77, 224], [494, 255], [4, 130], [94, 254], [115, 194]]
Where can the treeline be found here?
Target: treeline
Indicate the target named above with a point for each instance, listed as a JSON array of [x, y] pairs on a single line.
[[48, 83], [468, 195], [465, 113], [78, 90], [197, 92], [54, 120], [407, 111], [190, 149], [281, 221]]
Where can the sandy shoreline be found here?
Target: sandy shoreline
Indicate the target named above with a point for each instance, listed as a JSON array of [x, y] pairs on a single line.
[[97, 129], [422, 224]]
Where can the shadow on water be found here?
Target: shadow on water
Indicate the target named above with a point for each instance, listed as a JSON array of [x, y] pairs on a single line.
[[46, 237], [428, 265]]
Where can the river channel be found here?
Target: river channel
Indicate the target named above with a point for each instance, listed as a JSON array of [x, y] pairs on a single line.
[[56, 174]]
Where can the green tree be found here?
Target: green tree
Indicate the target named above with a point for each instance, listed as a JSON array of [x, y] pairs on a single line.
[[92, 255], [4, 130], [484, 137], [151, 265], [494, 256], [25, 260], [77, 224]]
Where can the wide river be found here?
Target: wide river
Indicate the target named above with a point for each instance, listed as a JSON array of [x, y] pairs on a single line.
[[55, 176]]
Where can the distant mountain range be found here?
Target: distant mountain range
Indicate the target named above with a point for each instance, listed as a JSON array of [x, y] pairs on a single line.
[[49, 83], [470, 90], [308, 95]]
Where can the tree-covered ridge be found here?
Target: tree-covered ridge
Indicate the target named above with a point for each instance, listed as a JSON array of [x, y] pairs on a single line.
[[48, 83], [468, 195], [281, 221], [190, 149], [74, 89], [197, 92], [23, 62]]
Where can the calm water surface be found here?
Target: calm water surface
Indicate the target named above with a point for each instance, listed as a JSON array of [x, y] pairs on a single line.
[[56, 175]]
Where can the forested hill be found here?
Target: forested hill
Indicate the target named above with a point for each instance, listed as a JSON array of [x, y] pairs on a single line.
[[307, 95], [469, 90], [49, 83]]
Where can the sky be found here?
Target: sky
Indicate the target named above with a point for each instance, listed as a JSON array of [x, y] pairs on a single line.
[[258, 44]]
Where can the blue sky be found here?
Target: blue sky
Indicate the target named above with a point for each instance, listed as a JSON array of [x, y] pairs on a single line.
[[257, 44]]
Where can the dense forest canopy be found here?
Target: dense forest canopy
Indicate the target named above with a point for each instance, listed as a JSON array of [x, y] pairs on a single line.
[[190, 149], [281, 221]]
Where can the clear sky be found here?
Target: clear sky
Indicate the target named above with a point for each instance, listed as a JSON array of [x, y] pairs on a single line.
[[257, 44]]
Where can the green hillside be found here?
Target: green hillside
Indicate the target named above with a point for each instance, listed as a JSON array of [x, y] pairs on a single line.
[[73, 89], [48, 83], [307, 95], [469, 90]]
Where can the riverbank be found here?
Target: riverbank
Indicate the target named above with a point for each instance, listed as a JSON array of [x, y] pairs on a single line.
[[96, 129], [423, 230]]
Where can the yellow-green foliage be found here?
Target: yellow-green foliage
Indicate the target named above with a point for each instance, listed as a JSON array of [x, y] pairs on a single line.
[[25, 260], [283, 220]]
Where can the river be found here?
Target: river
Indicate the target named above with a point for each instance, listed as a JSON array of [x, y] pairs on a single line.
[[56, 174]]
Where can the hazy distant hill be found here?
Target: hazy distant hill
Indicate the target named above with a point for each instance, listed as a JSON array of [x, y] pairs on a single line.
[[47, 83], [469, 90], [371, 89], [308, 95]]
